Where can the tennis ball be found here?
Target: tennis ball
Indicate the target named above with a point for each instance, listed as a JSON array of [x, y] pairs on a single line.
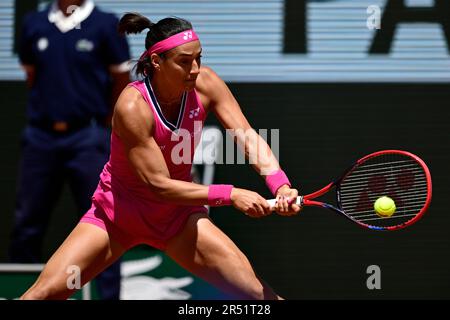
[[384, 206]]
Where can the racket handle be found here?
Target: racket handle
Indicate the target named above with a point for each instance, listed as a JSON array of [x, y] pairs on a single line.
[[272, 202]]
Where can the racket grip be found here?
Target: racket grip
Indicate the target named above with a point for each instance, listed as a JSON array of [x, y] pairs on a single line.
[[273, 202]]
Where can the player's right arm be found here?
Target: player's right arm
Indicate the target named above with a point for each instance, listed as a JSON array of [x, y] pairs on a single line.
[[133, 122]]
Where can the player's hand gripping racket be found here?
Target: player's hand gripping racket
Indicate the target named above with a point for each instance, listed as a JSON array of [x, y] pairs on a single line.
[[399, 175]]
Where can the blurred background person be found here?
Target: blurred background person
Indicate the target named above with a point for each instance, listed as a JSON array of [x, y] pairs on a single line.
[[76, 65]]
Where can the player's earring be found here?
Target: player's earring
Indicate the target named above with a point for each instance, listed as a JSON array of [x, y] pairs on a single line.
[[155, 63]]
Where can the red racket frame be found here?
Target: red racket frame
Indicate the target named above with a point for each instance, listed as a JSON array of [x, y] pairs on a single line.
[[307, 200]]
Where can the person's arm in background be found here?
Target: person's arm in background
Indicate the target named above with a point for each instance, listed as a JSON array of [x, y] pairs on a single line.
[[30, 74], [120, 77], [255, 148], [25, 52], [118, 59]]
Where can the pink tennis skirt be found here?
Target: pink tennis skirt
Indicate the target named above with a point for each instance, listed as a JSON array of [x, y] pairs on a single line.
[[137, 230]]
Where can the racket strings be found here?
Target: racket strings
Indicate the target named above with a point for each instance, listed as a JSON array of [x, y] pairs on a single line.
[[410, 195], [394, 175], [369, 173]]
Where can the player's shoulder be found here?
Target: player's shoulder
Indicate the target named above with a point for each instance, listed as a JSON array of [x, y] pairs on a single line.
[[131, 102], [207, 80], [132, 114], [207, 73]]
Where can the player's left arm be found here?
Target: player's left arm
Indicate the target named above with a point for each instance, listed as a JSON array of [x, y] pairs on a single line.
[[222, 103]]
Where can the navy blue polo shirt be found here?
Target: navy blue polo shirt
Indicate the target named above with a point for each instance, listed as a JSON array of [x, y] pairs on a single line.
[[72, 80]]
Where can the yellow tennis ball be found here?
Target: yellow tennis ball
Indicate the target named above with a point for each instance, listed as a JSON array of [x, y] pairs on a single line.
[[384, 206]]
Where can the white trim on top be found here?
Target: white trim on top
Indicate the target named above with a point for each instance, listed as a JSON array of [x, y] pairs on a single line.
[[160, 114]]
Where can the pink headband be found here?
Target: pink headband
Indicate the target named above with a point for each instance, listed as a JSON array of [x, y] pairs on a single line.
[[171, 42]]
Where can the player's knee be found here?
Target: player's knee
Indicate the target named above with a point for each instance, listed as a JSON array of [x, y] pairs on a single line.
[[37, 292], [253, 288], [46, 290], [256, 291]]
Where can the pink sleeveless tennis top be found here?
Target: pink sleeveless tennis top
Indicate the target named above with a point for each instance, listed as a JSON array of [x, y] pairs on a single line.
[[126, 199]]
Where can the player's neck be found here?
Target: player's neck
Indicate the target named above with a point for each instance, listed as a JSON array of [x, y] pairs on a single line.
[[167, 100], [168, 104], [64, 5]]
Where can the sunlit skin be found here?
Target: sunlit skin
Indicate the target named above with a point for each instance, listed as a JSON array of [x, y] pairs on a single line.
[[174, 72], [177, 69], [200, 247], [180, 67]]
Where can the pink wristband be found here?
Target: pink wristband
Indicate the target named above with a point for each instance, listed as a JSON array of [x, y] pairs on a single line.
[[275, 180], [219, 195]]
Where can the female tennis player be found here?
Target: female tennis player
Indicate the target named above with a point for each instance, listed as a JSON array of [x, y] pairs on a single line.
[[146, 194]]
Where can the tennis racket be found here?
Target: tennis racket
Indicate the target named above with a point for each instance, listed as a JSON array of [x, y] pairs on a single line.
[[399, 175]]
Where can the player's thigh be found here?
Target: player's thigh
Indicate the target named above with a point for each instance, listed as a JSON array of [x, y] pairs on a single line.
[[207, 252], [85, 253]]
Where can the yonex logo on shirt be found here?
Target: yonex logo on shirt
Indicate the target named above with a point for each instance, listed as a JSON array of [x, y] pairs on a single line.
[[194, 113]]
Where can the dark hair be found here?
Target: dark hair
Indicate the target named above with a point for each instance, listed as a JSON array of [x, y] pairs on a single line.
[[163, 29]]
